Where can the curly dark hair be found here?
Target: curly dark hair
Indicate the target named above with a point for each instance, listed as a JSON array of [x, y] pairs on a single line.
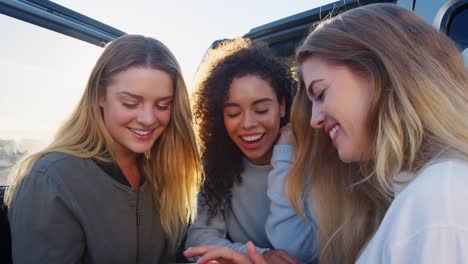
[[222, 159]]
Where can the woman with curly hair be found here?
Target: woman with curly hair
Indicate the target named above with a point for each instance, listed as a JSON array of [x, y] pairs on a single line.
[[242, 101]]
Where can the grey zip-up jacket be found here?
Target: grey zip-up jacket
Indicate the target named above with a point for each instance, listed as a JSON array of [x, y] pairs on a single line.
[[67, 210]]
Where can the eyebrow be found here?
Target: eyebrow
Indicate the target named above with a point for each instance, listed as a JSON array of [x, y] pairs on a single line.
[[131, 95], [139, 97], [254, 103], [165, 98], [310, 88]]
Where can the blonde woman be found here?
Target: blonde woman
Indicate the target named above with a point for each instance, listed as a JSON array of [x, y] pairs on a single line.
[[386, 96], [118, 183]]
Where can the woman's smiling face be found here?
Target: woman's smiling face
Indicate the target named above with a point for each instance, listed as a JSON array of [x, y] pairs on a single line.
[[137, 108], [252, 116], [341, 101]]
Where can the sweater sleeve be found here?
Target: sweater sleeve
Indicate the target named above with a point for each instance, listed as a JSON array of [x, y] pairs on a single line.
[[43, 229], [286, 230], [200, 233]]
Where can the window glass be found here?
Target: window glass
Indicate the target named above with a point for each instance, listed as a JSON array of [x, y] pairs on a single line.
[[43, 75], [458, 30]]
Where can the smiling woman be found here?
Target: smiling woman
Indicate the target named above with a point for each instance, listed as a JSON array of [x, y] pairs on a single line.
[[334, 90], [242, 100], [112, 166], [136, 110], [388, 144], [252, 116]]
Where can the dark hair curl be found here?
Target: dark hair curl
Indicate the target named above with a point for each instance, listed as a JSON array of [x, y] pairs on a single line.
[[222, 159]]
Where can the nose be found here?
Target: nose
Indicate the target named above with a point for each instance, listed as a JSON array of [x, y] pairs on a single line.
[[317, 117], [146, 116], [248, 120]]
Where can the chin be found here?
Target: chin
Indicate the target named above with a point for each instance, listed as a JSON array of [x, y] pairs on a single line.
[[350, 158], [345, 158], [252, 156], [140, 150]]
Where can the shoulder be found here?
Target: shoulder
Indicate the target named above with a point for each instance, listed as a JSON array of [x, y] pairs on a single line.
[[431, 208], [435, 197], [437, 175], [282, 152], [44, 178], [55, 164], [55, 160], [439, 178], [444, 168]]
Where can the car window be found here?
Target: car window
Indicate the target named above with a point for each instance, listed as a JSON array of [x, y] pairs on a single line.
[[457, 30], [43, 75]]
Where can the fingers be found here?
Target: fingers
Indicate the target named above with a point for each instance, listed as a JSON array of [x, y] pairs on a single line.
[[285, 129], [285, 135], [219, 254], [287, 126], [199, 251], [255, 256]]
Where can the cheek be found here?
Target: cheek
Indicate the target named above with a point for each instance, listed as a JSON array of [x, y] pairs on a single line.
[[272, 122], [115, 114], [333, 104], [164, 117], [229, 125], [362, 115]]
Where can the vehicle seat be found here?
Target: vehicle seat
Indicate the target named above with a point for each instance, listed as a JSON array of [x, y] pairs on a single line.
[[5, 236]]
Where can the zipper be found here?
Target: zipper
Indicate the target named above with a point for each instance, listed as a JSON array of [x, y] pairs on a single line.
[[137, 214]]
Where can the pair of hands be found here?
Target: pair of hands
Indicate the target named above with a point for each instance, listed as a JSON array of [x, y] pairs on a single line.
[[224, 255]]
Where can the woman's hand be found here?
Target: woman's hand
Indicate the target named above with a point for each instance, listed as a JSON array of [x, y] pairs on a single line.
[[224, 255], [285, 137]]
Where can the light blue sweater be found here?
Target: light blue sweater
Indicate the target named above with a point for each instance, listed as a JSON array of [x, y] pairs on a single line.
[[260, 213], [285, 229]]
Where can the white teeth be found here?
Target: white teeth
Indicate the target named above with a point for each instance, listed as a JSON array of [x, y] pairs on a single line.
[[333, 131], [141, 132], [252, 138]]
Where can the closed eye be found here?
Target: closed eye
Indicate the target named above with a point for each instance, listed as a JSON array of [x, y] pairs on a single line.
[[321, 96], [162, 107], [130, 105], [232, 115], [163, 104], [261, 111]]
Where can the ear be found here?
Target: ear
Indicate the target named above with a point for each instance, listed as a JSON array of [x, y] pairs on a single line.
[[283, 107]]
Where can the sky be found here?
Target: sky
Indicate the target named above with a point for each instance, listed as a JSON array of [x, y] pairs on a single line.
[[189, 27], [44, 73]]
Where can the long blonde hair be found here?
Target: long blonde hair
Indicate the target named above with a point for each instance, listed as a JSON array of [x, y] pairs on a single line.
[[173, 169], [418, 115]]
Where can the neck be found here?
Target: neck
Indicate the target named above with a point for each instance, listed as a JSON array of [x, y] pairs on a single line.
[[130, 169], [126, 161]]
